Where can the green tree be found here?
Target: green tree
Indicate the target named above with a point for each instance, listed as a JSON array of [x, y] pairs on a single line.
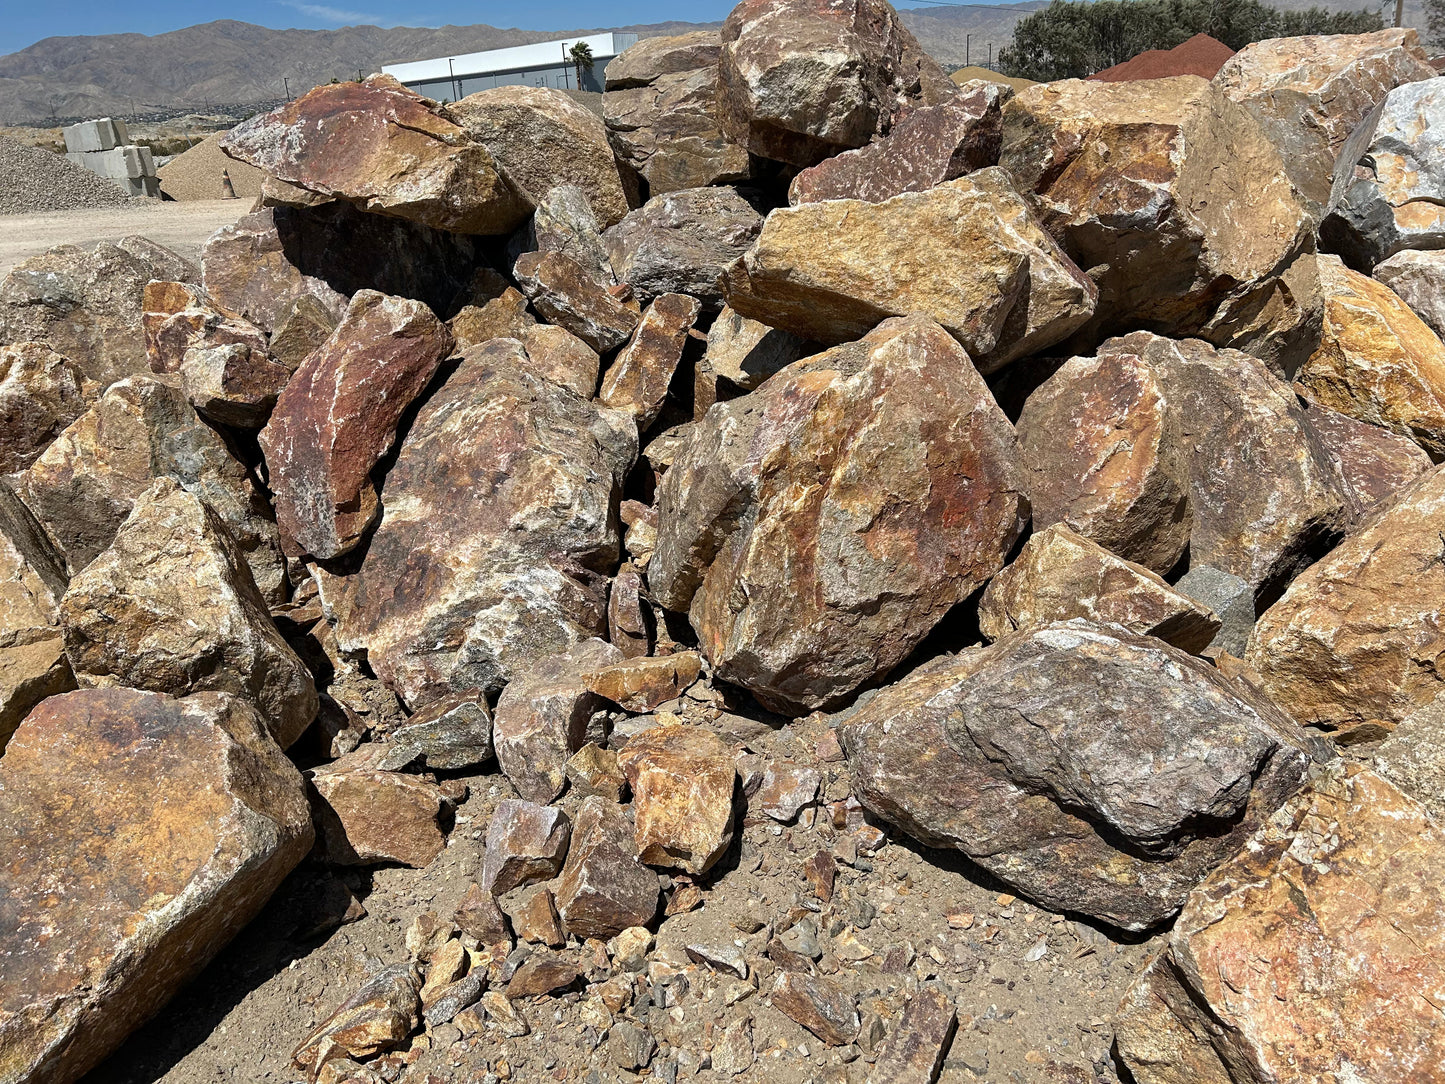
[[1070, 39], [581, 56]]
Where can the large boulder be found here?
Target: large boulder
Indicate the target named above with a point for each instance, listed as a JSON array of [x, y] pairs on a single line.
[[1094, 770], [1354, 639], [1310, 93], [171, 607], [821, 526], [1060, 575], [140, 834], [338, 416], [801, 80], [86, 305], [682, 243], [968, 253], [41, 393], [1155, 447], [1317, 953], [1389, 182], [1170, 195], [276, 257], [927, 147], [565, 294], [661, 114], [32, 649], [1374, 464], [381, 147], [1376, 361], [86, 483], [1418, 279], [541, 138], [638, 380], [499, 520]]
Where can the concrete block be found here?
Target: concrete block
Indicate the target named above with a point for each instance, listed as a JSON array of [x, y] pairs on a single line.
[[89, 136]]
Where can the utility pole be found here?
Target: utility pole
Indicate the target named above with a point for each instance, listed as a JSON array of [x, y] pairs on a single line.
[[287, 84], [1399, 12], [456, 90], [990, 56], [967, 42]]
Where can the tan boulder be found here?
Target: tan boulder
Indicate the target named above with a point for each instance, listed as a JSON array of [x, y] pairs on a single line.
[[1317, 953], [562, 358], [641, 684], [1377, 361], [746, 352], [502, 317], [968, 253], [383, 148], [366, 815], [1310, 93], [1354, 639], [41, 393], [1167, 193], [638, 380], [171, 607], [541, 138], [380, 1015], [86, 483], [140, 834], [818, 528], [564, 294], [32, 649], [1061, 575], [682, 780]]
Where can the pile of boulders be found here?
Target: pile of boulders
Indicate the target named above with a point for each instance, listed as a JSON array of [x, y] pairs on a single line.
[[1066, 458]]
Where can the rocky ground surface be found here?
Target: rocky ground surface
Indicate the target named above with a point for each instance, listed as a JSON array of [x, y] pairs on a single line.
[[808, 572]]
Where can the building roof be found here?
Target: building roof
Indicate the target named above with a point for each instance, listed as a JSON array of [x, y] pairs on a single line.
[[604, 46]]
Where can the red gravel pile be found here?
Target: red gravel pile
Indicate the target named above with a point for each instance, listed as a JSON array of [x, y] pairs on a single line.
[[1200, 55]]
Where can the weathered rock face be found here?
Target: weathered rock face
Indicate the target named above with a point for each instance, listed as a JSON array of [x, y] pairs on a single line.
[[1060, 575], [565, 222], [968, 253], [90, 957], [382, 1014], [542, 716], [682, 242], [1354, 638], [1310, 93], [1167, 193], [304, 324], [566, 295], [661, 114], [822, 525], [639, 685], [1373, 463], [338, 417], [638, 380], [377, 145], [604, 889], [747, 352], [261, 266], [176, 316], [562, 358], [40, 394], [86, 483], [927, 147], [451, 733], [802, 80], [1331, 916], [171, 607], [682, 780], [1417, 279], [526, 843], [502, 317], [1094, 770], [542, 138], [87, 305], [1156, 446], [32, 581], [1377, 361], [1389, 183], [367, 815], [232, 384], [463, 582]]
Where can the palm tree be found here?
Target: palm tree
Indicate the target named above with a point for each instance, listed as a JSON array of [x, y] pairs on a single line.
[[581, 56]]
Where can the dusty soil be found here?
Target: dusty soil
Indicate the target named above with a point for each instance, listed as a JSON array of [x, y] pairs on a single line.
[[1033, 990], [182, 227]]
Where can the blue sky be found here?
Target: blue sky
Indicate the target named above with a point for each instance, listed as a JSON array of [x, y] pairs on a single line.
[[23, 22]]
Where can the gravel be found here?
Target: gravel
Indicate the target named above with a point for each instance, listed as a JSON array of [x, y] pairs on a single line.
[[34, 181], [196, 174]]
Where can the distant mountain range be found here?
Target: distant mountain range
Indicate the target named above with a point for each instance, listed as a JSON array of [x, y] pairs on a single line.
[[227, 64]]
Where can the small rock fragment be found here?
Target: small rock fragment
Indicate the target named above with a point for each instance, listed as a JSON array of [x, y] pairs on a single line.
[[818, 1004], [381, 1015]]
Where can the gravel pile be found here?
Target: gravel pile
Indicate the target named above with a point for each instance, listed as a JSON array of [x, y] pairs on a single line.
[[33, 181], [196, 173]]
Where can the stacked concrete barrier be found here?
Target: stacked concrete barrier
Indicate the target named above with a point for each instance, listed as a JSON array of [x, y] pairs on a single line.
[[103, 147]]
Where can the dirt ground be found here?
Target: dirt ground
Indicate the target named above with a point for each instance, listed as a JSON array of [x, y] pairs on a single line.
[[182, 227], [1033, 991]]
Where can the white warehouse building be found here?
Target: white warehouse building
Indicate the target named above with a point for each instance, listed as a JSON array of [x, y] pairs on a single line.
[[543, 64]]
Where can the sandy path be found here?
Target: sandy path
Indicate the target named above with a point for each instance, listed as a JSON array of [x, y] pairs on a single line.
[[183, 227]]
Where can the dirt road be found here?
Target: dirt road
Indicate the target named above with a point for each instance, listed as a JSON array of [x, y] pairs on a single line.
[[183, 227]]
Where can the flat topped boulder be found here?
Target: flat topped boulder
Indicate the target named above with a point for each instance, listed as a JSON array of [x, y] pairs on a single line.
[[140, 834], [1168, 193], [969, 253], [384, 148]]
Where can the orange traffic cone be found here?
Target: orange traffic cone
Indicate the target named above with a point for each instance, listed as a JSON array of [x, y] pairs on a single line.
[[228, 190]]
